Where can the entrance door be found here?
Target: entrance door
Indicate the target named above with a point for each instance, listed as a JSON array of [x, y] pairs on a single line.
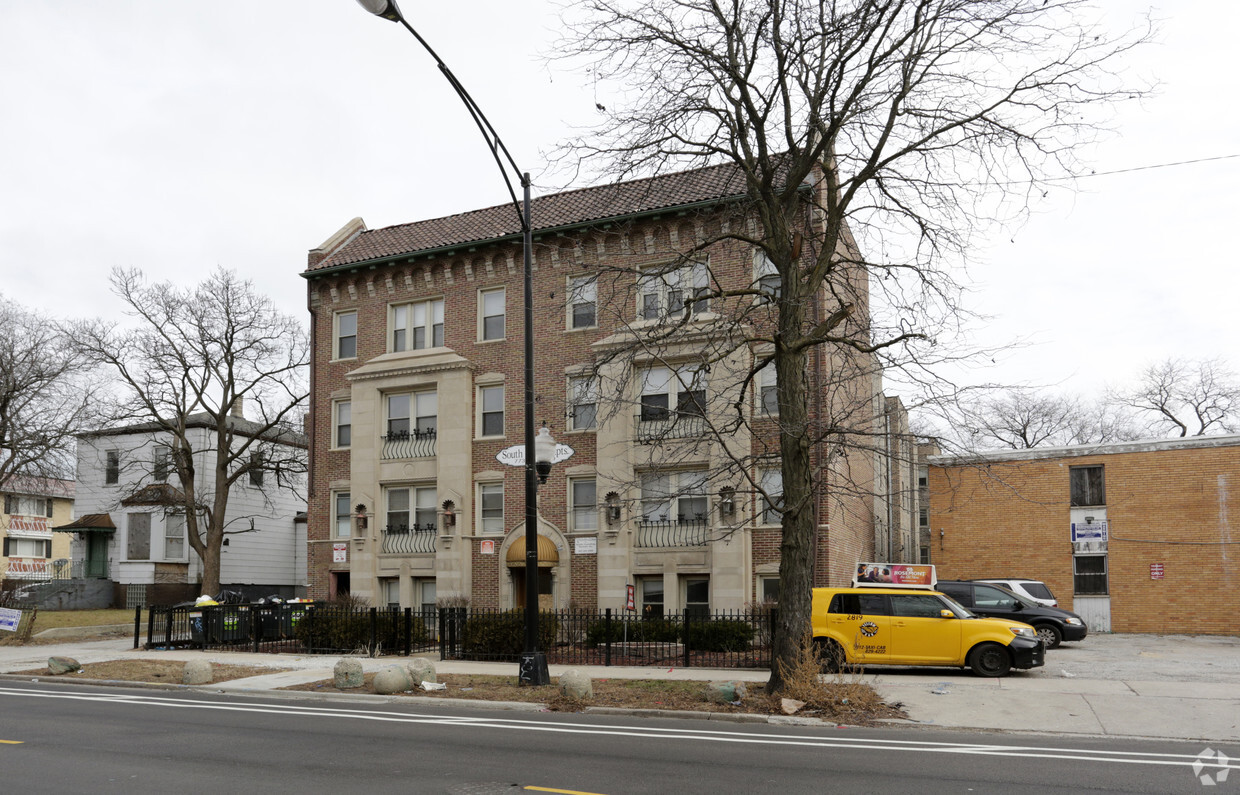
[[97, 555], [546, 599]]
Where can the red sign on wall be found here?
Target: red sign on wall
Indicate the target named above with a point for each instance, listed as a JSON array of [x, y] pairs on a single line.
[[1156, 571], [630, 603]]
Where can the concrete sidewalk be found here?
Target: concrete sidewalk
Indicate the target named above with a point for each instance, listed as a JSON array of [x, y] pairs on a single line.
[[1176, 689]]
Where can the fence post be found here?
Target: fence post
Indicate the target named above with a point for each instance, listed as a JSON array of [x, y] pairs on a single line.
[[607, 637], [168, 627], [137, 625], [374, 627], [685, 623], [150, 628], [772, 616], [408, 631]]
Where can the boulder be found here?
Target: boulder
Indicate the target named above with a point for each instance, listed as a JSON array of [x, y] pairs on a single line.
[[393, 679], [348, 674], [421, 670], [197, 672], [574, 684], [63, 665], [725, 692]]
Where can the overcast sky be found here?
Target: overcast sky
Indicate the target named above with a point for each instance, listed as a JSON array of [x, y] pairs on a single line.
[[175, 137]]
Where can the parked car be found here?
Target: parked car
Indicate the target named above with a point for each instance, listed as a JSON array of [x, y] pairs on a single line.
[[1030, 589], [889, 626], [1053, 624]]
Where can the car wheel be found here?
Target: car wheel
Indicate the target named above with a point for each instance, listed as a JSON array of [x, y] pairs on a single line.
[[830, 655], [990, 659], [1050, 635]]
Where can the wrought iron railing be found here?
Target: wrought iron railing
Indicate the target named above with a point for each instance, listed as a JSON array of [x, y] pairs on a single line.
[[655, 425], [682, 532], [409, 444], [405, 540]]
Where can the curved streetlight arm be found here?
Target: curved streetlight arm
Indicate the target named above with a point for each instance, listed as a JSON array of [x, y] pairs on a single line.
[[390, 11]]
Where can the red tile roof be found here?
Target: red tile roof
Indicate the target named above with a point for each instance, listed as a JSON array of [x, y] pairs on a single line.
[[557, 210]]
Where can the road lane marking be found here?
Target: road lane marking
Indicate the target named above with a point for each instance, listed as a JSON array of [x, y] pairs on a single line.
[[12, 742], [561, 791], [642, 732]]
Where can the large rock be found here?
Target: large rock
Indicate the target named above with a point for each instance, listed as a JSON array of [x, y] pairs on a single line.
[[63, 665], [348, 674], [421, 670], [725, 692], [393, 679], [197, 672], [576, 685]]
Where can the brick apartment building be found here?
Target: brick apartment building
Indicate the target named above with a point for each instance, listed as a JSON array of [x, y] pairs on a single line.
[[418, 385], [1136, 537]]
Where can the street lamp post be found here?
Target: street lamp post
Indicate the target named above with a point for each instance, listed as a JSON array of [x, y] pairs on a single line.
[[533, 667]]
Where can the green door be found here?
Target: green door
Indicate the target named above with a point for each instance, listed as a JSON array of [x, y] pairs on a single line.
[[97, 555]]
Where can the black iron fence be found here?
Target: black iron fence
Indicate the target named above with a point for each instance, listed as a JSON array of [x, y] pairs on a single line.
[[409, 444], [737, 639], [405, 540], [682, 532]]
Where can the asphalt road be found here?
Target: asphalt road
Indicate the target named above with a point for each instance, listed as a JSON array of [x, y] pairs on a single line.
[[93, 739]]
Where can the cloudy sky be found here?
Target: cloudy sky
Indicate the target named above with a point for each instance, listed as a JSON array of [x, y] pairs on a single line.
[[175, 137]]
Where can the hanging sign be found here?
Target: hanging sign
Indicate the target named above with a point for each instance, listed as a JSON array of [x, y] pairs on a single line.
[[630, 601], [340, 553], [515, 456]]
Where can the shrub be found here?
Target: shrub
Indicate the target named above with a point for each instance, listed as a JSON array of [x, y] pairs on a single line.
[[720, 635], [503, 634], [654, 630], [334, 628]]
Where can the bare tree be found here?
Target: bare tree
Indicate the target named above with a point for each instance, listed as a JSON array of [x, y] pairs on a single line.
[[915, 123], [1186, 398], [44, 397], [189, 359], [1021, 419]]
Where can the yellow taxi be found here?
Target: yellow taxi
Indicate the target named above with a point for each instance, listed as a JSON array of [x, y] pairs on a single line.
[[906, 626]]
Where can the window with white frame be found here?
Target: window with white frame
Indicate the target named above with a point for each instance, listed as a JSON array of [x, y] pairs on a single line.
[[258, 462], [27, 547], [389, 588], [112, 467], [582, 504], [412, 412], [174, 536], [344, 514], [676, 497], [491, 507], [162, 464], [346, 335], [697, 596], [491, 410], [765, 277], [667, 392], [670, 293], [411, 508], [417, 325], [343, 426], [772, 483], [25, 505], [651, 589], [768, 390], [583, 402], [424, 593], [768, 589], [491, 313], [582, 302]]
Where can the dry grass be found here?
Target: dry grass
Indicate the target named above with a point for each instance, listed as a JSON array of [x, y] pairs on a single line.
[[52, 619], [152, 671], [837, 695]]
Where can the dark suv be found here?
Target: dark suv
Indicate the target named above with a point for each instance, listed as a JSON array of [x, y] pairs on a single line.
[[1054, 624]]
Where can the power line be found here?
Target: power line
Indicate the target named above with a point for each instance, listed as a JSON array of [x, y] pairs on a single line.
[[1156, 165]]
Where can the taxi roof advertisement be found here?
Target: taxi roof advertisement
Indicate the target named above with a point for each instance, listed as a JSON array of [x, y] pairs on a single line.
[[894, 575]]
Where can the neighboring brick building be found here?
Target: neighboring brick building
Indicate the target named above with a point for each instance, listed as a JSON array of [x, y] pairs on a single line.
[[32, 506], [1136, 537], [418, 384]]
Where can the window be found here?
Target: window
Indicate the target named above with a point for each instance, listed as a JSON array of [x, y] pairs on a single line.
[[411, 502], [916, 606], [424, 594], [923, 476], [346, 335], [425, 409], [923, 517], [665, 391], [138, 541], [768, 589], [583, 504], [583, 403], [174, 536], [257, 462], [27, 547], [344, 424], [491, 498], [984, 596], [678, 497], [768, 390], [344, 514], [491, 303], [417, 326], [665, 294], [22, 505], [389, 588], [491, 399], [1089, 575], [582, 297], [772, 483], [112, 468], [1087, 485], [651, 589], [765, 277], [697, 597], [860, 604], [163, 464]]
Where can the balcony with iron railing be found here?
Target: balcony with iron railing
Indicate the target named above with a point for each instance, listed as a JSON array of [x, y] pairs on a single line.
[[399, 539], [683, 531], [409, 444], [654, 425]]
